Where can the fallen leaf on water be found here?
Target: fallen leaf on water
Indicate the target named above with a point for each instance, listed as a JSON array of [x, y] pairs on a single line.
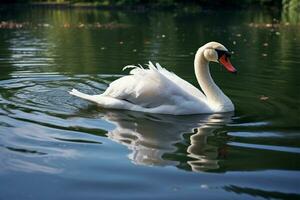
[[263, 98]]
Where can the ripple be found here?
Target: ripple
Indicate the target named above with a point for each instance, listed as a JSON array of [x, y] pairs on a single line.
[[261, 193], [78, 141], [30, 167], [43, 91], [27, 151], [265, 134], [266, 147]]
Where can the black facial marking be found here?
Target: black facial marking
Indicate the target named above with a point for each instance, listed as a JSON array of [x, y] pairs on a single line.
[[222, 52]]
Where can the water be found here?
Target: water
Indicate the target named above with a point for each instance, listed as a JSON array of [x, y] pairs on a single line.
[[56, 146]]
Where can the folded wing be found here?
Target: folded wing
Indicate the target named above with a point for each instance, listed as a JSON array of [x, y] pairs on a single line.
[[153, 87]]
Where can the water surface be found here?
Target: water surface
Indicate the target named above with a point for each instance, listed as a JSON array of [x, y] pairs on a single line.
[[56, 146]]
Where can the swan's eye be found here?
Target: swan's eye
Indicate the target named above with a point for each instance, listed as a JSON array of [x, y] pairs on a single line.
[[222, 52]]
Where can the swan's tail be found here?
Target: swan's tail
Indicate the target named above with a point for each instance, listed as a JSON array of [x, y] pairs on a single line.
[[81, 95], [106, 101]]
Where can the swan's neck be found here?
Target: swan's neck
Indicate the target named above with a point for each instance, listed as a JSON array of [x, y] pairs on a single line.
[[216, 99]]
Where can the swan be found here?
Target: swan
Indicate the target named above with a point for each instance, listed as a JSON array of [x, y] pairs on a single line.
[[156, 90]]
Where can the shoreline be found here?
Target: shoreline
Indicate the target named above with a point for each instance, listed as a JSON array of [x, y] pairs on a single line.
[[138, 7]]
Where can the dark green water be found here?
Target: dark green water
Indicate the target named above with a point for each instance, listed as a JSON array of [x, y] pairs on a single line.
[[56, 146]]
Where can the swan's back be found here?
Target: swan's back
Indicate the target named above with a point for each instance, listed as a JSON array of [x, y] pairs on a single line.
[[152, 87]]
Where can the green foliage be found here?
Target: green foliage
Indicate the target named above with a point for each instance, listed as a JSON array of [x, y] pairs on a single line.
[[291, 10], [291, 4]]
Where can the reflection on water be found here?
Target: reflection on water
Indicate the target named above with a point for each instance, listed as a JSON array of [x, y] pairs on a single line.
[[199, 142], [150, 138]]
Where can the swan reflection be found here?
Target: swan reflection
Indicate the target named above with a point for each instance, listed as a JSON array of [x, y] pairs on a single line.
[[163, 140]]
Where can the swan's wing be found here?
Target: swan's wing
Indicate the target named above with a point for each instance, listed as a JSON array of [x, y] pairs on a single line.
[[192, 90], [151, 87]]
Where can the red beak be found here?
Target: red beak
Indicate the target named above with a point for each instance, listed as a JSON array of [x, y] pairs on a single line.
[[224, 60]]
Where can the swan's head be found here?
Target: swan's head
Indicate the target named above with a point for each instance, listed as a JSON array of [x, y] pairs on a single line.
[[216, 52]]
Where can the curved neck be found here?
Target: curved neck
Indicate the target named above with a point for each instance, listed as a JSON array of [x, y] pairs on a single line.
[[216, 99]]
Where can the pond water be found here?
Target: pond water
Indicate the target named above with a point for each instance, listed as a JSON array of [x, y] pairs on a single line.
[[56, 146]]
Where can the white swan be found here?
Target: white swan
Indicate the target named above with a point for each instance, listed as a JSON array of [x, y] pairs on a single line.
[[156, 90]]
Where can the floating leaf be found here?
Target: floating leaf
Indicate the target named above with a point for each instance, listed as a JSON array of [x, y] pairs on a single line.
[[263, 98]]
